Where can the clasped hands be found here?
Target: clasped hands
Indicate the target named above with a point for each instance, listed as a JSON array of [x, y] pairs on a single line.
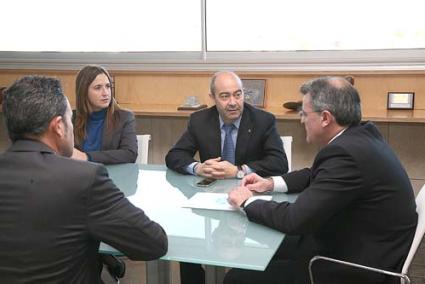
[[216, 168], [250, 184]]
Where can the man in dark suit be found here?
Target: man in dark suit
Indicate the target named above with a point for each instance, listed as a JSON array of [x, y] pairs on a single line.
[[54, 211], [255, 144], [356, 202]]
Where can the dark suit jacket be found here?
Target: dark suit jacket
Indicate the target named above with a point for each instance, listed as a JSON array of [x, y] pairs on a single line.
[[356, 201], [119, 145], [258, 145], [54, 211]]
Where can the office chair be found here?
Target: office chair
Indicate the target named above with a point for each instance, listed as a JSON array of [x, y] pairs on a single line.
[[287, 146], [419, 233], [143, 148]]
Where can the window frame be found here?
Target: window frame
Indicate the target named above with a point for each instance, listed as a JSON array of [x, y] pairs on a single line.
[[354, 60], [293, 61]]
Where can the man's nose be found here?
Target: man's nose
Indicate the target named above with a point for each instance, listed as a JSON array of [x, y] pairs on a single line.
[[232, 100]]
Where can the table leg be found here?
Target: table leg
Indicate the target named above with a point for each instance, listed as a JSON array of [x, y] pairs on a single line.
[[214, 274], [158, 272]]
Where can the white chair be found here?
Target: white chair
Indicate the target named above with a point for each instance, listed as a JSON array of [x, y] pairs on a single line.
[[419, 233], [116, 264], [143, 148], [287, 146]]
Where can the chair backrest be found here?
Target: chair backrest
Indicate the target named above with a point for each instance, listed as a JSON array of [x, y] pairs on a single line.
[[287, 146], [420, 230], [143, 148]]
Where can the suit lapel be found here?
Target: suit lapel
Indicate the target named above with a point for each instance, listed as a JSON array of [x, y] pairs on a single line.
[[215, 139], [244, 136]]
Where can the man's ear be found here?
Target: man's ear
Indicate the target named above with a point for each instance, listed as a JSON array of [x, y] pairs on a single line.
[[326, 118], [211, 96], [56, 126]]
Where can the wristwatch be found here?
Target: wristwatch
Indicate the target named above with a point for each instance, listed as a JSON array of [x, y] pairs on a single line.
[[240, 173]]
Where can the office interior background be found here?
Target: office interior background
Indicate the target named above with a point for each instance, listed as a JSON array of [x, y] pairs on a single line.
[[161, 52]]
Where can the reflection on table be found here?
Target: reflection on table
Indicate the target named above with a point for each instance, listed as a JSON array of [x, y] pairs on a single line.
[[210, 237]]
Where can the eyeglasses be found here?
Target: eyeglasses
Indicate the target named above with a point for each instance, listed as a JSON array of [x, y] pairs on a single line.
[[303, 113]]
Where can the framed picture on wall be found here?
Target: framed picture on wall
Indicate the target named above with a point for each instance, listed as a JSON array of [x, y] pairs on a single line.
[[255, 91], [401, 100]]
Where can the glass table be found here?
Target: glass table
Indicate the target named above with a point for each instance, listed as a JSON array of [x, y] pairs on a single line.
[[210, 237]]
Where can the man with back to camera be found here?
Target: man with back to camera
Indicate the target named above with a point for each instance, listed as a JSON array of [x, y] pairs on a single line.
[[54, 211], [356, 202], [248, 132]]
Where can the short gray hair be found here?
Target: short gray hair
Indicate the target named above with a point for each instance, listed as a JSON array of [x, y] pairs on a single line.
[[336, 95]]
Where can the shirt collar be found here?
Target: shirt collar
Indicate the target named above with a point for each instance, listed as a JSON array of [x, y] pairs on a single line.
[[236, 123], [338, 134]]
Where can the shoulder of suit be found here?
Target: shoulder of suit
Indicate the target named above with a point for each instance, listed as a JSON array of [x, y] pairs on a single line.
[[75, 167], [203, 112], [125, 112], [258, 112]]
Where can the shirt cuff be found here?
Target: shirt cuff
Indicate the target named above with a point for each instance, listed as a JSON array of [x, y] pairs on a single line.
[[191, 168], [248, 201], [253, 198], [279, 184]]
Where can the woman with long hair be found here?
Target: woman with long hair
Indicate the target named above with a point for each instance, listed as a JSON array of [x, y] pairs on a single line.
[[104, 132]]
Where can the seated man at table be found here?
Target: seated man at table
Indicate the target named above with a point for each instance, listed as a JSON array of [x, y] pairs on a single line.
[[54, 211], [356, 202], [233, 139]]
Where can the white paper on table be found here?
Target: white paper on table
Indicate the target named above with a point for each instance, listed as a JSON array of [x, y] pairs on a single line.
[[215, 201]]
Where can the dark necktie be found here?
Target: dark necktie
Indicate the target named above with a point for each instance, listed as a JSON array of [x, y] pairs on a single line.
[[228, 153]]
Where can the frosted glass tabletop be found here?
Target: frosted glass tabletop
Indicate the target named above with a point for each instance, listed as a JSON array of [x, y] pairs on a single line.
[[210, 237]]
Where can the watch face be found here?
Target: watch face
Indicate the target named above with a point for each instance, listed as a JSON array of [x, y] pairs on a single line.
[[240, 174]]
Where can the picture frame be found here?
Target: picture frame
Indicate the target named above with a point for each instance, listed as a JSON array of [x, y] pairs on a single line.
[[401, 100], [255, 91]]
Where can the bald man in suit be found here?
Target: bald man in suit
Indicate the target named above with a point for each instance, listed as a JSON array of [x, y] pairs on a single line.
[[355, 203], [255, 144]]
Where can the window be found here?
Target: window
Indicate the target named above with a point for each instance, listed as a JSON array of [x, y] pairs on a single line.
[[273, 25], [99, 26], [214, 34]]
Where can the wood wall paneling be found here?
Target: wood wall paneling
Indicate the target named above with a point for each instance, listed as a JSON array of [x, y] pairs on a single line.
[[153, 92], [156, 89], [67, 79]]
